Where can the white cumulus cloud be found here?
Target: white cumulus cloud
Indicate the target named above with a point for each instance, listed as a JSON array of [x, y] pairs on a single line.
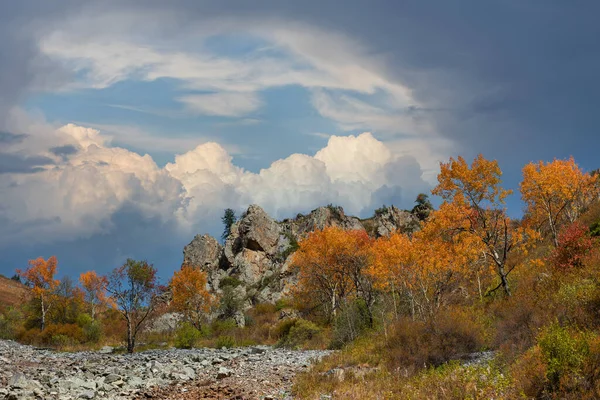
[[79, 195]]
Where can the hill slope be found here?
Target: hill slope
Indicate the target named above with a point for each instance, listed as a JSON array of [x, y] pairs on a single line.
[[11, 292]]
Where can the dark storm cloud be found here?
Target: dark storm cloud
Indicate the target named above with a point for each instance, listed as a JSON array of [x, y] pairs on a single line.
[[64, 151], [131, 235], [22, 65], [14, 163], [11, 138], [490, 73]]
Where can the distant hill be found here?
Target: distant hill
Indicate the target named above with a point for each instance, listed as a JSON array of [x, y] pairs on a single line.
[[11, 292]]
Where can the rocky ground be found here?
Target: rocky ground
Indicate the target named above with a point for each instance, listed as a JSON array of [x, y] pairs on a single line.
[[259, 372]]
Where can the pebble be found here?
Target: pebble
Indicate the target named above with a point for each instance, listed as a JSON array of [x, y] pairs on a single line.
[[31, 373]]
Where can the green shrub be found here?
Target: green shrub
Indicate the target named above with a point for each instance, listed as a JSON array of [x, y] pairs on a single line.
[[229, 281], [187, 336], [564, 352], [10, 322], [595, 229], [92, 332], [283, 328], [231, 303], [300, 332], [225, 341], [281, 304], [61, 341], [222, 326], [350, 323]]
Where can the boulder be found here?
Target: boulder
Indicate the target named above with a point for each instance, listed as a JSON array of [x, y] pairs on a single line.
[[223, 373], [203, 251], [257, 231]]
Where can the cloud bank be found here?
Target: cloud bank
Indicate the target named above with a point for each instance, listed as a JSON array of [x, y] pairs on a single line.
[[76, 187]]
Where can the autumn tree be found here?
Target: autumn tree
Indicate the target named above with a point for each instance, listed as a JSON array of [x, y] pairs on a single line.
[[135, 291], [190, 295], [68, 300], [94, 287], [40, 277], [475, 190], [556, 193], [574, 244], [331, 264], [428, 265]]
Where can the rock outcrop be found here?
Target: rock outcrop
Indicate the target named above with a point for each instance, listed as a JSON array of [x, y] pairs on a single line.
[[255, 259]]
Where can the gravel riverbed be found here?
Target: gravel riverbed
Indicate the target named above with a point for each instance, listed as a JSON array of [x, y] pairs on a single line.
[[259, 372]]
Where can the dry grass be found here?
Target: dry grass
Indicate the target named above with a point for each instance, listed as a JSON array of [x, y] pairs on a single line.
[[12, 293]]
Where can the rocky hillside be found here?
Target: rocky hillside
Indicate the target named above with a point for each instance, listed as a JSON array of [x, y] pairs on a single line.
[[255, 259]]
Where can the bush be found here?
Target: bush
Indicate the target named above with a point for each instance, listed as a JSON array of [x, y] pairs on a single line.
[[223, 326], [231, 303], [529, 373], [453, 334], [225, 341], [574, 244], [187, 336], [92, 332], [350, 323], [564, 353], [10, 322], [282, 303], [298, 333], [229, 281], [62, 341]]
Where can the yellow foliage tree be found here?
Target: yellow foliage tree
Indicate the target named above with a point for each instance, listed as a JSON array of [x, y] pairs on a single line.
[[40, 277], [556, 193], [190, 295]]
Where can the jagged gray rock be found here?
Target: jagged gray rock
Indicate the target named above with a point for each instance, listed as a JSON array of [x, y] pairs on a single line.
[[257, 231], [257, 251], [390, 219], [204, 251]]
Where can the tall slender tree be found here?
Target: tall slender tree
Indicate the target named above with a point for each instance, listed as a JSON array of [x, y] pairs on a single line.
[[228, 220], [40, 277], [134, 288]]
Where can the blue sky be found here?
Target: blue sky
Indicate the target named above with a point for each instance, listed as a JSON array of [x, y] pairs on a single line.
[[128, 126]]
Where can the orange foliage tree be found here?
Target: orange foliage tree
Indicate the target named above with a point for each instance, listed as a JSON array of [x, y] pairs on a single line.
[[429, 264], [331, 264], [556, 193], [475, 190], [190, 295], [40, 277], [94, 287]]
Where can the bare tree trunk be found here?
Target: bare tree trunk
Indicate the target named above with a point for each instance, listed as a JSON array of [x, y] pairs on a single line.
[[43, 313], [130, 337], [504, 280]]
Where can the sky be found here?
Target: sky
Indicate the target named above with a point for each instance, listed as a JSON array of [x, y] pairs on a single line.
[[127, 127]]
